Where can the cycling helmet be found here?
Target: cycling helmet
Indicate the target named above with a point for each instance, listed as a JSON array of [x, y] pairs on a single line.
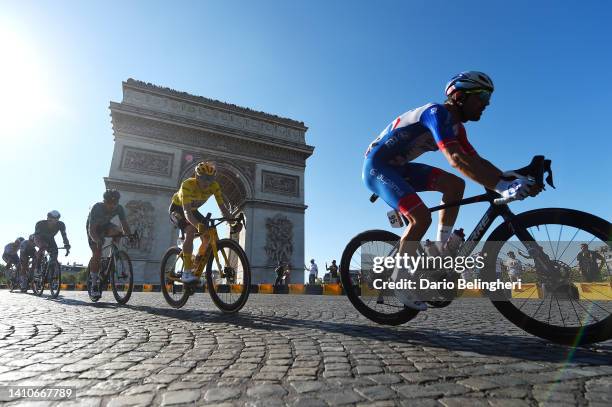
[[469, 80], [205, 169], [111, 195], [54, 214], [20, 239]]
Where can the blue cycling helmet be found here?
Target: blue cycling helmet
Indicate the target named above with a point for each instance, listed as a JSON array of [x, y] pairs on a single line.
[[469, 80]]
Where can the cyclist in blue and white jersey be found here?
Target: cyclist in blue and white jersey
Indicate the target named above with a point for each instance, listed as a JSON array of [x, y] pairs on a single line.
[[389, 170]]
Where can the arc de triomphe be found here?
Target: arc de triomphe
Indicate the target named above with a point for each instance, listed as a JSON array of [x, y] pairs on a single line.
[[160, 134]]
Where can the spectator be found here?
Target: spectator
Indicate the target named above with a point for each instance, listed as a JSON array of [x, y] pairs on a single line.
[[587, 262], [281, 272], [333, 271], [514, 267], [313, 272]]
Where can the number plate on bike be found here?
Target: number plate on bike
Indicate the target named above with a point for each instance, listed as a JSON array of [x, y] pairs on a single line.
[[395, 219]]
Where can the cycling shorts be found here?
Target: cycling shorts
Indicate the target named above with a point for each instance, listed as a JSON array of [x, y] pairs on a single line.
[[177, 217], [101, 231], [398, 185]]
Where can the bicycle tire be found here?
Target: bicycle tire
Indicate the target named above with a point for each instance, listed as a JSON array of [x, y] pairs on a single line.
[[126, 258], [573, 336], [38, 283], [395, 318], [234, 306], [11, 279], [55, 271], [173, 251], [93, 298]]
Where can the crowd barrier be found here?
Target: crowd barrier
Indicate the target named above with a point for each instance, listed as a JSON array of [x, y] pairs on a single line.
[[587, 291]]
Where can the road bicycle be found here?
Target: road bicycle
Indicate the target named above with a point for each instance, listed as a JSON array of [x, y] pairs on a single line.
[[115, 270], [228, 273], [13, 278], [47, 270], [552, 308]]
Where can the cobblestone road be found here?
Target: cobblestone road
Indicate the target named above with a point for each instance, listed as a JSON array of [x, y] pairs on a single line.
[[287, 350]]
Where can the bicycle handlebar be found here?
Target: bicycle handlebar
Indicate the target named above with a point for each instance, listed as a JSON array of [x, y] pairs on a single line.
[[536, 169]]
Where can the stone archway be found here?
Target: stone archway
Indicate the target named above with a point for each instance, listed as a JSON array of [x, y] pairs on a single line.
[[161, 133]]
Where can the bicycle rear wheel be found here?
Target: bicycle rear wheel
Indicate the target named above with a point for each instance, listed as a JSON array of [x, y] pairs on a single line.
[[174, 291], [122, 277], [229, 281], [357, 277], [55, 279], [570, 310]]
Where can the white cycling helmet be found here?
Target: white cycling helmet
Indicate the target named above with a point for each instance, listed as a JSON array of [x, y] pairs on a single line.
[[54, 214], [469, 80]]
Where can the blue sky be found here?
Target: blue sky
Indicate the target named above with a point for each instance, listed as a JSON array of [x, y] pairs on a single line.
[[344, 68]]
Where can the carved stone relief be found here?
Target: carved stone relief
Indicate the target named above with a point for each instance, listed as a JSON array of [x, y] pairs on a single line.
[[279, 239], [276, 183], [141, 218], [166, 104], [146, 162], [201, 138]]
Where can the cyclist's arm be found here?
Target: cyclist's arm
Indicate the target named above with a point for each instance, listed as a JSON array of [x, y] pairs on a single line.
[[472, 166], [123, 220], [219, 198], [62, 228]]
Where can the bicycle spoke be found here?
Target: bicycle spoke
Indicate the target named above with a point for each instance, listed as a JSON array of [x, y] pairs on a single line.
[[570, 242], [558, 241], [560, 312]]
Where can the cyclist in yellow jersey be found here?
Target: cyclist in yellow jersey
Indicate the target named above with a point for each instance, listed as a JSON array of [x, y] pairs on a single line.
[[194, 192]]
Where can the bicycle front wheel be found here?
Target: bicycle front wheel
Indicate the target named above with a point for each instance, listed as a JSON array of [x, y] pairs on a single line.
[[357, 275], [122, 277], [38, 283], [562, 300], [55, 279], [174, 291], [228, 277]]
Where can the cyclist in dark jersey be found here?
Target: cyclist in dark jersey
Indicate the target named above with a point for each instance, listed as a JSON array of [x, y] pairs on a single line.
[[44, 235], [389, 172], [99, 226], [10, 254], [27, 251]]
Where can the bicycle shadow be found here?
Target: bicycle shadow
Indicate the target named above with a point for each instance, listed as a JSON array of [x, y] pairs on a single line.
[[476, 344]]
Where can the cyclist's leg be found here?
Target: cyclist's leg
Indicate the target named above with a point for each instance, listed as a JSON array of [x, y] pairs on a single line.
[[178, 219], [42, 244], [391, 184], [96, 252], [427, 178]]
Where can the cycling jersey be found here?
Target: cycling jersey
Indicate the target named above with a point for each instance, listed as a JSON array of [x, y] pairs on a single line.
[[100, 215], [46, 230], [427, 128], [11, 248], [191, 193], [388, 170]]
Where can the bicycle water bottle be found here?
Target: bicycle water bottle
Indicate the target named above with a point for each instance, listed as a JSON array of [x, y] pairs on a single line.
[[454, 241]]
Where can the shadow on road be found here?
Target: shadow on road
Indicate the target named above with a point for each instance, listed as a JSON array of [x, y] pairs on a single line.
[[478, 344]]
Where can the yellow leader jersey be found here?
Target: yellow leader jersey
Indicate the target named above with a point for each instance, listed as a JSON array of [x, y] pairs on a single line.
[[191, 193]]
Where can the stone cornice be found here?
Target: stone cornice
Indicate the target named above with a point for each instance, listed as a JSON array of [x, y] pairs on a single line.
[[266, 204], [168, 92], [170, 132], [134, 186], [169, 118]]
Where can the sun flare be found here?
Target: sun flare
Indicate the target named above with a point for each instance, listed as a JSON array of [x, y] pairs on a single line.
[[25, 99]]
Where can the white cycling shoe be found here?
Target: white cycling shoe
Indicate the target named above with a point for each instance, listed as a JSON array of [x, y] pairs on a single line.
[[407, 296], [188, 277]]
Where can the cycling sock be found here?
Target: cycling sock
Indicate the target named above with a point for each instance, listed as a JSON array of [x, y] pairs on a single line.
[[444, 232]]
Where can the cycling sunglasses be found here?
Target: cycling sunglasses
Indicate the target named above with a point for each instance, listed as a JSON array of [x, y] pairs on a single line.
[[484, 95]]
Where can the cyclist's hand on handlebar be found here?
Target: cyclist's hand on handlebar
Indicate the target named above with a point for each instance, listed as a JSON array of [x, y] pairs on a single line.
[[514, 189], [534, 188]]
